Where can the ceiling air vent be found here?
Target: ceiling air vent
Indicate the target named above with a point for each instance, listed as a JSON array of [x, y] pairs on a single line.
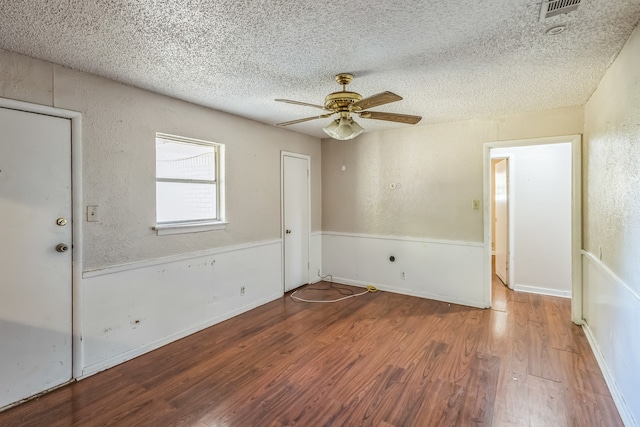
[[557, 7]]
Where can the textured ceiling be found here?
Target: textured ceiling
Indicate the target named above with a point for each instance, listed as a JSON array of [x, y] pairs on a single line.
[[450, 60]]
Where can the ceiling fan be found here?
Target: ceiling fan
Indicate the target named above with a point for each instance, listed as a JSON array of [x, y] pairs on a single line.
[[345, 103]]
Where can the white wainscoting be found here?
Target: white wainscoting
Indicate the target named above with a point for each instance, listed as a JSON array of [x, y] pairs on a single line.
[[130, 310], [612, 315], [449, 271], [315, 256]]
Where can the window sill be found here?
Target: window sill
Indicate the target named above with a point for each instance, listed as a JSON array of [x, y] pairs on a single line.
[[189, 227]]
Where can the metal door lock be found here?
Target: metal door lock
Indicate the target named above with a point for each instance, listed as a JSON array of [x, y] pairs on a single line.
[[61, 247], [61, 222], [288, 231]]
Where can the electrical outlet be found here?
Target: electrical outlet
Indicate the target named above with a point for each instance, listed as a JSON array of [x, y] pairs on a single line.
[[403, 276], [475, 205], [241, 290]]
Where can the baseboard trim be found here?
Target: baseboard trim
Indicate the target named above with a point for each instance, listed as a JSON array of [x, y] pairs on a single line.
[[542, 291], [616, 395], [409, 292], [90, 370]]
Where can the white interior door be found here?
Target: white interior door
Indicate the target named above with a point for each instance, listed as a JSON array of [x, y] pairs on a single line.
[[295, 221], [501, 223], [35, 284]]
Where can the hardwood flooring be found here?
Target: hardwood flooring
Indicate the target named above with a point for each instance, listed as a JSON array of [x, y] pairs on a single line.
[[383, 359]]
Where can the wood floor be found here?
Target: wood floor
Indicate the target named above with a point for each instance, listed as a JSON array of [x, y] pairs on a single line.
[[382, 359]]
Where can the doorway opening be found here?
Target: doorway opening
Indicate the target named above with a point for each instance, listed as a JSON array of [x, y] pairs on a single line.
[[537, 246]]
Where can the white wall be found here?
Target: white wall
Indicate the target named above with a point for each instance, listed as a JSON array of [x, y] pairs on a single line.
[[611, 265], [167, 283], [540, 217]]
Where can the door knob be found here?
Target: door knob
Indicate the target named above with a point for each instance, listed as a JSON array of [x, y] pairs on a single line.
[[288, 231], [61, 222], [61, 247]]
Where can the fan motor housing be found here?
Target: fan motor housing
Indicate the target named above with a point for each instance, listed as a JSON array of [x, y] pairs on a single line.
[[342, 101]]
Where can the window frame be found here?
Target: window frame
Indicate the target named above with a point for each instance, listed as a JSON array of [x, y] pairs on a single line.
[[194, 225]]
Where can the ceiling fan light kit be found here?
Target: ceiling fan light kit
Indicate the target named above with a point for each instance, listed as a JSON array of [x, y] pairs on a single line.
[[345, 103], [343, 129]]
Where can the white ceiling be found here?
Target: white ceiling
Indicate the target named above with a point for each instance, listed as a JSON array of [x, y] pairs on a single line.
[[450, 60]]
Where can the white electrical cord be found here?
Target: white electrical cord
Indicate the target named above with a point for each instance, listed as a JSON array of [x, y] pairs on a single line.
[[295, 298]]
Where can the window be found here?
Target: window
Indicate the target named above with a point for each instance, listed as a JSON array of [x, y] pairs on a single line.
[[189, 185]]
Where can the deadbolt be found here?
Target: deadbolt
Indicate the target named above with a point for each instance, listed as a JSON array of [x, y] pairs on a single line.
[[61, 247], [288, 231], [61, 222]]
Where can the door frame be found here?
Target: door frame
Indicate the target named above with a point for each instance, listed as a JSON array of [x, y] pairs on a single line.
[[76, 208], [284, 154], [576, 214]]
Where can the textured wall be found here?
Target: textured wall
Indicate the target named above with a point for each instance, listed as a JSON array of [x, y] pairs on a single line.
[[612, 160], [119, 124], [611, 226], [439, 168], [25, 79]]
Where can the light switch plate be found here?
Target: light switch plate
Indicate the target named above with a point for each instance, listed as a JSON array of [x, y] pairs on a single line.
[[92, 214]]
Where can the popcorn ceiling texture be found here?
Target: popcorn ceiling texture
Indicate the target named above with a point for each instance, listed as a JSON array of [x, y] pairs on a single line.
[[449, 60]]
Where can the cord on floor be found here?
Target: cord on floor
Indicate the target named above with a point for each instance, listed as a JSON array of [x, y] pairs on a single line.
[[342, 291]]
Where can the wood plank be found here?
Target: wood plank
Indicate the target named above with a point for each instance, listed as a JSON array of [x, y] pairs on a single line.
[[494, 339], [586, 409], [543, 359], [547, 406], [512, 395], [500, 294], [419, 376], [536, 308], [444, 404], [480, 391], [560, 327], [511, 406], [518, 313]]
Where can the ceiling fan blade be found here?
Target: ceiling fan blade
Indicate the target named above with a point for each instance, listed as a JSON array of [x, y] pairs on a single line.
[[378, 99], [306, 119], [288, 101], [391, 117]]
